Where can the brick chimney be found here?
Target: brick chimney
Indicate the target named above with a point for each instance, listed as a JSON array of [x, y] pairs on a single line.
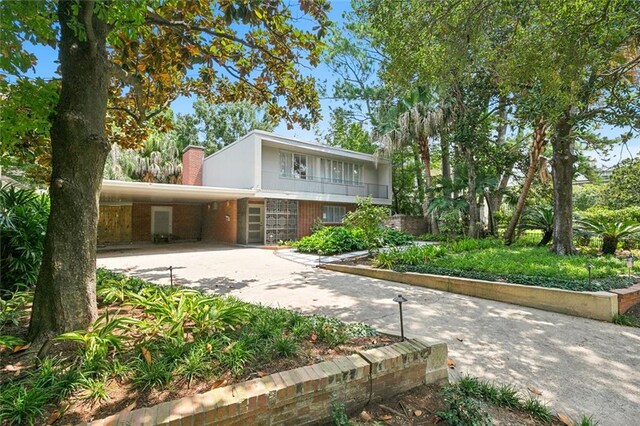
[[192, 159]]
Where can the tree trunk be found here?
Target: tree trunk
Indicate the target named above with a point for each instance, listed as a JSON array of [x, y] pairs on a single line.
[[446, 164], [545, 238], [425, 154], [65, 296], [609, 245], [563, 172], [537, 146], [474, 212], [419, 179]]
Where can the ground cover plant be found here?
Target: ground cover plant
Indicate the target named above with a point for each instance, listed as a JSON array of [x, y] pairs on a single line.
[[489, 260], [153, 343], [469, 401]]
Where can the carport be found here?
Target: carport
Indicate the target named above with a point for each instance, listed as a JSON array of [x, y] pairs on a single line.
[[137, 212]]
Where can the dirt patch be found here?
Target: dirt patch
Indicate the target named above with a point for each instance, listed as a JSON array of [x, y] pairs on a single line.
[[421, 406]]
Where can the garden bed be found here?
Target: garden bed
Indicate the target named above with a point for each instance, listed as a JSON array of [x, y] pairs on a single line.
[[489, 260], [152, 344]]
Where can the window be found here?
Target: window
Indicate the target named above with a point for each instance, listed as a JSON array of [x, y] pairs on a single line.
[[299, 166], [333, 214], [302, 166]]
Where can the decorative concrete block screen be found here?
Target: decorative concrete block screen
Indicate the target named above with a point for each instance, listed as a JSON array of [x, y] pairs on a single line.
[[281, 222]]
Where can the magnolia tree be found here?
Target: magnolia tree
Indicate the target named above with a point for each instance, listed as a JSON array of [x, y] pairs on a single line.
[[121, 64]]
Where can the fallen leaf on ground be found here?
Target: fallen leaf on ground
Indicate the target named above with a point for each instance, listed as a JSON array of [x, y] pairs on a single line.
[[147, 355], [566, 420], [451, 363], [262, 374], [218, 383], [11, 368], [314, 337], [534, 390], [365, 416], [459, 339], [54, 417], [21, 348], [386, 417], [417, 413]]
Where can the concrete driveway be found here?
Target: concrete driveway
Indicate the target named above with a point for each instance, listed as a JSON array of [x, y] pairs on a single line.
[[581, 366]]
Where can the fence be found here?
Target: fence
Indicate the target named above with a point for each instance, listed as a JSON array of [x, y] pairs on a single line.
[[534, 237]]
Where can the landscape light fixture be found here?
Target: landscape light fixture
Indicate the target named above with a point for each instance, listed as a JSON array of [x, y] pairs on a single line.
[[400, 300], [630, 260], [170, 268], [589, 266]]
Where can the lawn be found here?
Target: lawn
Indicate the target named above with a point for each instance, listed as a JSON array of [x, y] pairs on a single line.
[[152, 344], [518, 264]]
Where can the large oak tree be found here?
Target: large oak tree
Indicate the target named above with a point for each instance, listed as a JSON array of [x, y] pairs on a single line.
[[122, 63]]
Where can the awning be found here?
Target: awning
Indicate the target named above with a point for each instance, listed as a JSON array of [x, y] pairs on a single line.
[[115, 191]]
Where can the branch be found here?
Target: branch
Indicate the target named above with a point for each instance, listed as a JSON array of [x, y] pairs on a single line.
[[154, 18], [87, 19]]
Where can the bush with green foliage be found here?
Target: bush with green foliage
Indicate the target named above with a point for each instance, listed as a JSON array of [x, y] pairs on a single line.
[[623, 188], [611, 232], [331, 240], [23, 223], [370, 219], [539, 218]]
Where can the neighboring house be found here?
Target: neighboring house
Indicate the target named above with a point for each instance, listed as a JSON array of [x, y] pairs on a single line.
[[261, 189]]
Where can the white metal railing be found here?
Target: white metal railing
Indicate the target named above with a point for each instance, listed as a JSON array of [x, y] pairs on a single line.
[[276, 182]]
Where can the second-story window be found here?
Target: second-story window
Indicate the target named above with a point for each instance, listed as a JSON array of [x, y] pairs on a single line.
[[295, 166], [299, 166]]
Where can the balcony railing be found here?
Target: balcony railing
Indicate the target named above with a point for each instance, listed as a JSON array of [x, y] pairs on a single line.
[[275, 182]]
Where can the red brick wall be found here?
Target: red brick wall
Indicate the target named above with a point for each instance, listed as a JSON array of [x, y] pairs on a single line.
[[305, 395], [192, 158], [309, 211], [186, 221], [215, 225]]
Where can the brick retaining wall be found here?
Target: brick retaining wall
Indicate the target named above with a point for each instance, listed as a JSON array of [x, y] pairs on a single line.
[[414, 225], [627, 297], [304, 395]]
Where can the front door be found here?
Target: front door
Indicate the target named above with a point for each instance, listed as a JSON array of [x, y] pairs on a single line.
[[255, 224]]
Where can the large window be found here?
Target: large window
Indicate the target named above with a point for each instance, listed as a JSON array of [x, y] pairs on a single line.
[[302, 166], [333, 214]]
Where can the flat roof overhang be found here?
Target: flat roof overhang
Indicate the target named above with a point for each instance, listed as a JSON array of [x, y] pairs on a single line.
[[115, 191]]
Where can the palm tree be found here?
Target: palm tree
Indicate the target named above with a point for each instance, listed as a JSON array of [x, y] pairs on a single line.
[[611, 232], [539, 218], [417, 122]]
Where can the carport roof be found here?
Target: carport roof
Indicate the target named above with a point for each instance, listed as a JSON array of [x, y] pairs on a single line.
[[119, 191]]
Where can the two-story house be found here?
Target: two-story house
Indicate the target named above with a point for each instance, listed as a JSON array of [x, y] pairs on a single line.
[[261, 189]]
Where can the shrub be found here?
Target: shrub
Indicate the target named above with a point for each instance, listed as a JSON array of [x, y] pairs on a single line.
[[332, 240], [369, 219], [23, 224], [539, 218], [610, 232]]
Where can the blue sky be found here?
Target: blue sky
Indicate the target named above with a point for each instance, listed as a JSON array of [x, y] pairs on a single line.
[[46, 68]]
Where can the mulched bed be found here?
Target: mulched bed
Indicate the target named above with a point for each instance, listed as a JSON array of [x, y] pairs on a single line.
[[421, 405]]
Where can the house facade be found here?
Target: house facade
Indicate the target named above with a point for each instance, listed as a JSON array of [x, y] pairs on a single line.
[[261, 189]]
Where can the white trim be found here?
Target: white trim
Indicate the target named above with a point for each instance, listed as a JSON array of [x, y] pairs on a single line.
[[312, 196], [121, 191], [154, 209]]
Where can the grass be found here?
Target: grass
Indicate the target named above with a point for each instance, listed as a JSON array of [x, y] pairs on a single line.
[[464, 402], [628, 320], [517, 264], [150, 337]]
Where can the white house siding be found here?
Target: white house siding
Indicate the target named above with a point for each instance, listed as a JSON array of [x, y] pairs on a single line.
[[233, 166]]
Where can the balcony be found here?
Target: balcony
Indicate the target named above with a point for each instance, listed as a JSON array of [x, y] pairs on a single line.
[[273, 181]]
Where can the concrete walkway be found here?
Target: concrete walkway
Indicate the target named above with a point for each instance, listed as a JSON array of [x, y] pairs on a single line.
[[581, 366]]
